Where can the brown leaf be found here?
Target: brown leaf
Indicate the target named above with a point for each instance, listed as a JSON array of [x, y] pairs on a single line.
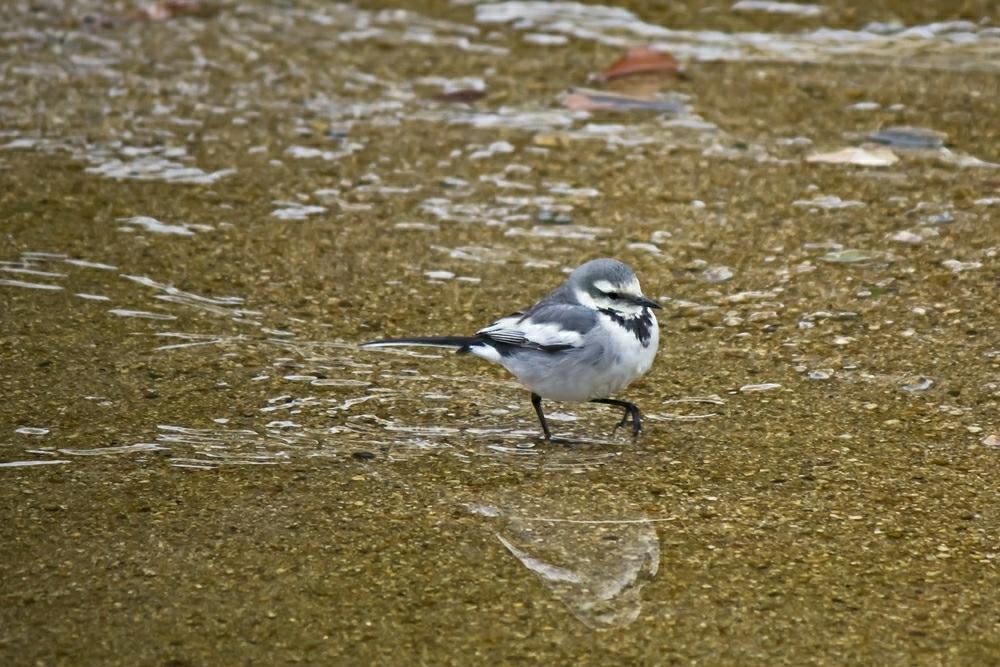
[[164, 10], [639, 60]]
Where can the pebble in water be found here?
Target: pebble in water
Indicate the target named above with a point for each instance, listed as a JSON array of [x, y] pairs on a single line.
[[917, 385], [31, 430], [772, 7], [154, 226], [717, 274], [763, 386], [848, 257], [908, 138], [828, 202], [958, 266], [864, 157]]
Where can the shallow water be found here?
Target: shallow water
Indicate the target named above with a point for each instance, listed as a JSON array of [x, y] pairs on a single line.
[[201, 218]]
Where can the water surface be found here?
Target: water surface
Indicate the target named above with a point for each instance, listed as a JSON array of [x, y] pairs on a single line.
[[202, 217]]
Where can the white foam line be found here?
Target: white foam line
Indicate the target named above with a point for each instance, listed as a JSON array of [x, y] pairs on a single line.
[[25, 464], [21, 283], [90, 265], [594, 521], [177, 346]]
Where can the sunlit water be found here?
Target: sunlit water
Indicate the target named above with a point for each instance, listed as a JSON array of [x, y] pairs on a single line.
[[203, 217]]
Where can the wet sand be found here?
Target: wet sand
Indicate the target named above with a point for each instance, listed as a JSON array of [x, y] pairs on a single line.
[[222, 477]]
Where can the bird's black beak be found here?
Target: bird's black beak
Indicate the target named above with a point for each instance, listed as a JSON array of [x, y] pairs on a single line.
[[649, 303]]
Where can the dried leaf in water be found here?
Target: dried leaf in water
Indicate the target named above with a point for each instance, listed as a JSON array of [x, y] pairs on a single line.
[[464, 96], [639, 60], [164, 10], [585, 99], [865, 157]]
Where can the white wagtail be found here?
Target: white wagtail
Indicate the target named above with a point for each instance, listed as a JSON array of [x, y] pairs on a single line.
[[587, 339]]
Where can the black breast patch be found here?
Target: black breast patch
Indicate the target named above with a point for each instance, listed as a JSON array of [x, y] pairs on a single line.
[[640, 326]]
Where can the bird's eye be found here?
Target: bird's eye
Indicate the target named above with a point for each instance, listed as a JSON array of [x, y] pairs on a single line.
[[614, 296]]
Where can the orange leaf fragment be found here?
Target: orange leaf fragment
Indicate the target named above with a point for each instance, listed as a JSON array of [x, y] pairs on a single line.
[[164, 10], [640, 60]]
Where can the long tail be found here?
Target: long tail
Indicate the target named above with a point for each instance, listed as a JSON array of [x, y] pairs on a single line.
[[459, 343]]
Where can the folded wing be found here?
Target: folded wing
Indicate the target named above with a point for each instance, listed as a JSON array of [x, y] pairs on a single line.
[[549, 328]]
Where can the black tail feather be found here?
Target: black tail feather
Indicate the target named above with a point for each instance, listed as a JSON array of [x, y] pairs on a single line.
[[459, 343]]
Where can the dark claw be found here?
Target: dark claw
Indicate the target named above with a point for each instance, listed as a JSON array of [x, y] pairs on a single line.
[[631, 413], [624, 422]]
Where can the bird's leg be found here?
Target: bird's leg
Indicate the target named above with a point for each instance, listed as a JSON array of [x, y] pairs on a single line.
[[536, 401], [631, 412]]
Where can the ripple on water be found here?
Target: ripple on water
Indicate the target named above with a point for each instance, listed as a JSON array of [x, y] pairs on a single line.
[[30, 463], [916, 46], [103, 451], [154, 226], [287, 432], [28, 285], [157, 163], [31, 430], [591, 556]]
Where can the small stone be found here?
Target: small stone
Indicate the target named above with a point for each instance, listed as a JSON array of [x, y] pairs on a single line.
[[909, 138], [945, 218], [764, 386], [718, 274], [906, 236], [847, 257], [917, 385], [645, 247], [958, 266], [866, 157], [553, 217]]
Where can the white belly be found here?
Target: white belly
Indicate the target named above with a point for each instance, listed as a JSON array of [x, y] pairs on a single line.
[[579, 375], [634, 359]]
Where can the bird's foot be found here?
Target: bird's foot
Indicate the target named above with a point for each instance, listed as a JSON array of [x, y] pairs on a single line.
[[629, 418], [624, 422]]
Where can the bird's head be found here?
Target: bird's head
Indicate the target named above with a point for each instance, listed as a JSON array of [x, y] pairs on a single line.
[[607, 284]]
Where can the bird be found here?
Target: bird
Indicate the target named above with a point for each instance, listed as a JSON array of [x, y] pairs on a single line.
[[584, 341]]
